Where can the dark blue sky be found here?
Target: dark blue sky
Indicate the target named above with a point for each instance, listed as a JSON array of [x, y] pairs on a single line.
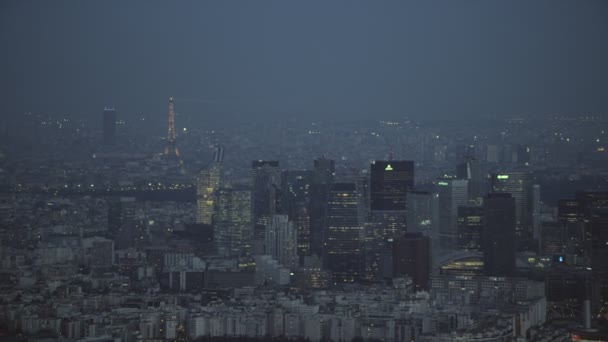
[[317, 59]]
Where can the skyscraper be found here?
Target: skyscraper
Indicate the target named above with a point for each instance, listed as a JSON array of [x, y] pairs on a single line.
[[233, 223], [452, 194], [420, 212], [552, 238], [322, 179], [598, 227], [343, 239], [132, 232], [571, 215], [109, 126], [475, 172], [595, 209], [385, 208], [266, 185], [536, 207], [520, 186], [207, 183], [281, 241], [499, 234], [296, 199], [470, 228], [412, 257], [390, 182], [381, 229]]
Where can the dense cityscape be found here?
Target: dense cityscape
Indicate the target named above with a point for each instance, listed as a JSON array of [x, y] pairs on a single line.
[[399, 230], [268, 170]]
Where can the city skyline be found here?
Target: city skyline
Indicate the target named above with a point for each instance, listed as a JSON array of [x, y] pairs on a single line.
[[303, 171]]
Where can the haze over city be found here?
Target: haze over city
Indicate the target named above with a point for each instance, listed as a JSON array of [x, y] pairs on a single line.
[[303, 171]]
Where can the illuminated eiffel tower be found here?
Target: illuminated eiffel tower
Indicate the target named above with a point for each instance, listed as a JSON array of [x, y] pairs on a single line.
[[171, 153]]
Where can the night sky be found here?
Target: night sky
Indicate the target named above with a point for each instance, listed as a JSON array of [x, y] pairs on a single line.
[[306, 59]]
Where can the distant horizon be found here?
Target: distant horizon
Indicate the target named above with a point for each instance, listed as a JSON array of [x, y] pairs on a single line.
[[201, 117]]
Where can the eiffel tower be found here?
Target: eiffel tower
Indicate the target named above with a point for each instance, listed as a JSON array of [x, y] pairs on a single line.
[[171, 153]]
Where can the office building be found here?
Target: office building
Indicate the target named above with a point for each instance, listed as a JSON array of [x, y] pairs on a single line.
[[266, 187], [132, 232], [233, 222], [208, 181], [571, 214], [380, 231], [296, 198], [323, 178], [476, 173], [536, 211], [383, 204], [343, 238], [598, 227], [420, 212], [452, 194], [552, 238], [282, 241], [389, 183], [520, 186], [499, 234], [470, 227], [412, 257]]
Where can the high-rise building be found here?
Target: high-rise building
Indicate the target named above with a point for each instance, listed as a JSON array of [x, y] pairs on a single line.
[[207, 183], [109, 126], [452, 194], [362, 181], [598, 227], [476, 173], [520, 186], [412, 257], [587, 215], [499, 234], [420, 212], [570, 211], [571, 214], [282, 241], [374, 245], [383, 205], [266, 185], [423, 217], [390, 181], [233, 222], [380, 230], [470, 227], [595, 208], [323, 178], [132, 232], [296, 198], [344, 235], [536, 211], [552, 238]]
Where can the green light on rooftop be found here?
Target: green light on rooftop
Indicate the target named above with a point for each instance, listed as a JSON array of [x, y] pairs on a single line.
[[442, 183], [502, 177], [388, 168]]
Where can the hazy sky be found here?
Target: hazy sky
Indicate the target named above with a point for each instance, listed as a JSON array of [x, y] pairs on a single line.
[[330, 58]]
